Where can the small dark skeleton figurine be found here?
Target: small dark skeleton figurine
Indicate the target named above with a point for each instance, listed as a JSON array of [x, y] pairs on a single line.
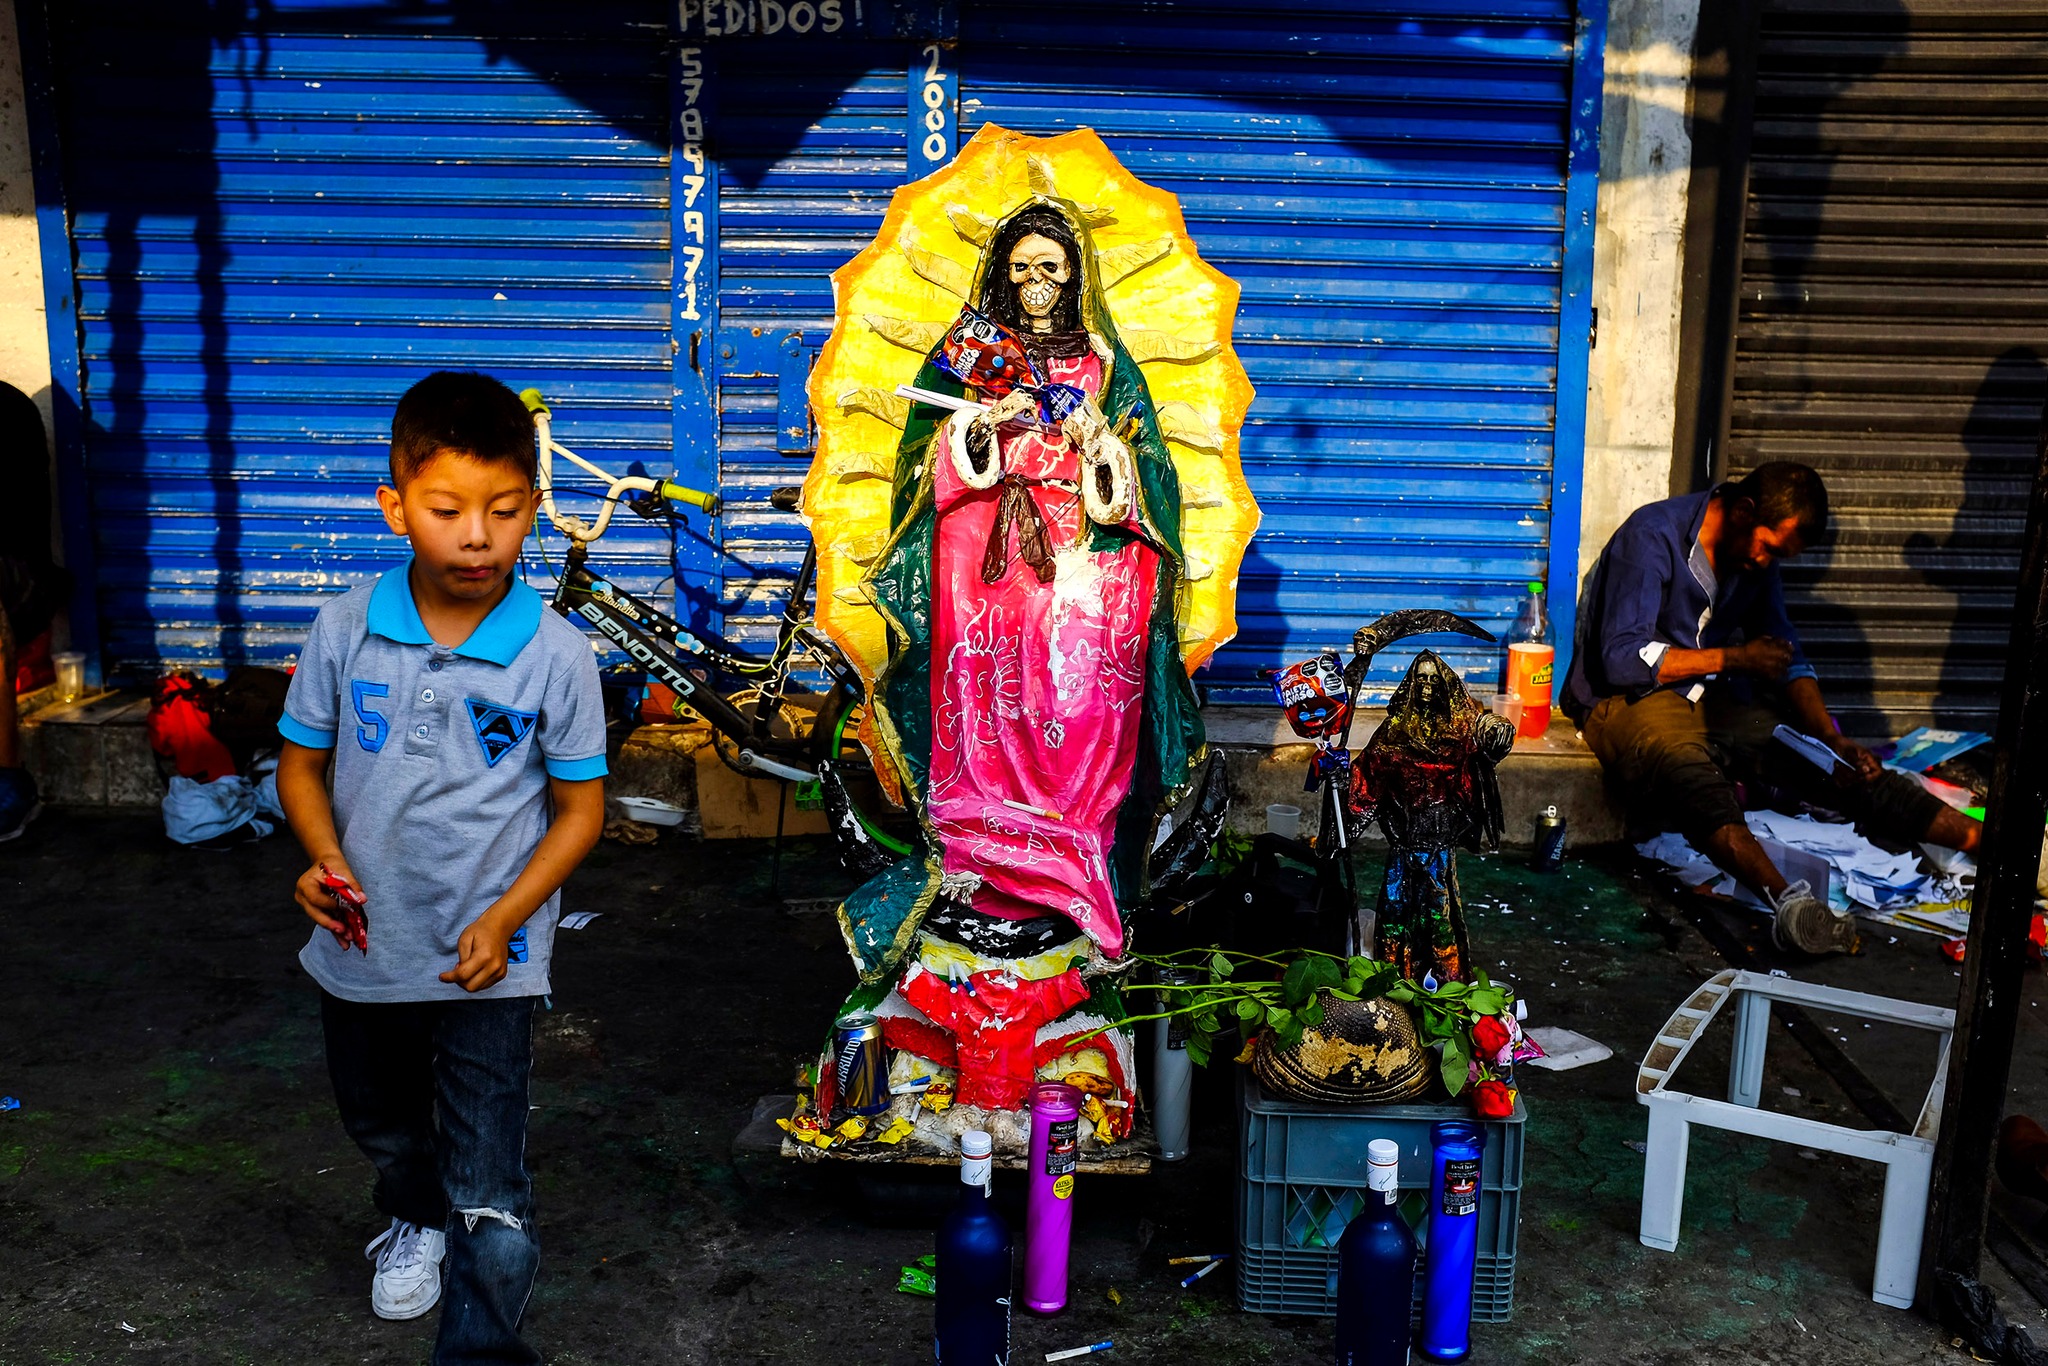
[[1427, 777]]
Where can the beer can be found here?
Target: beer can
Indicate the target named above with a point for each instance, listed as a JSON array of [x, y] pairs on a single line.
[[1549, 855], [859, 1064]]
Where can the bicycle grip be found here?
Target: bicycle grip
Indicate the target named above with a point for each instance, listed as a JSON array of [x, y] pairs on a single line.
[[533, 401], [711, 503]]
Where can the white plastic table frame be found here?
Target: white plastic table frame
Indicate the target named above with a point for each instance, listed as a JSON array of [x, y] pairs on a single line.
[[1908, 1157]]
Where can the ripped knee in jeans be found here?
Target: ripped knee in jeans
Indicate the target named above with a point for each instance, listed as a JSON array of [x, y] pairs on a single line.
[[470, 1216]]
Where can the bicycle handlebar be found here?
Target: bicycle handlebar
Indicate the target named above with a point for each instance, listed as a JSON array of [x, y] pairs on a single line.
[[576, 528], [697, 498]]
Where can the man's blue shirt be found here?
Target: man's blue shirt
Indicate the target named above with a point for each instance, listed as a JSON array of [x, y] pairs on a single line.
[[1654, 589]]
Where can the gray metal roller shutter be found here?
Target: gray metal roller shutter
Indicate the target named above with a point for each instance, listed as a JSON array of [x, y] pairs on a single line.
[[1893, 333]]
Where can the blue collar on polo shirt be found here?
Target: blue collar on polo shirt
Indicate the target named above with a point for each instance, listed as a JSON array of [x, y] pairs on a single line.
[[497, 639]]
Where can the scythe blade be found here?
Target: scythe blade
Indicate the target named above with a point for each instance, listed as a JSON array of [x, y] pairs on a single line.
[[1414, 621]]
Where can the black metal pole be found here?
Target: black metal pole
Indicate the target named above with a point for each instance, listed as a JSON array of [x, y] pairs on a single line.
[[1988, 1012]]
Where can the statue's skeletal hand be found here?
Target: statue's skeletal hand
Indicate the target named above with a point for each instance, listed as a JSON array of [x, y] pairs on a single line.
[[1085, 423], [1011, 406]]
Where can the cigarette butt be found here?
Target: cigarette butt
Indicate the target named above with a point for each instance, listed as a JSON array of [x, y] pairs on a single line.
[[1199, 1259], [1203, 1272], [1029, 809]]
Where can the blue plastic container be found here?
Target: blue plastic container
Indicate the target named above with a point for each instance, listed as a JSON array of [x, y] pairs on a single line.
[[1453, 1246]]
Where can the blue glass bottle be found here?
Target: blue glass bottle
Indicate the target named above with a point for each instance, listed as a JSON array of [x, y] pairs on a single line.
[[1376, 1269], [1453, 1251], [972, 1307]]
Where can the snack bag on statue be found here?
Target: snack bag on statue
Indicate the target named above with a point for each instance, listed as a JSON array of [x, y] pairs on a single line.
[[1318, 704], [1057, 403], [985, 356], [1313, 695]]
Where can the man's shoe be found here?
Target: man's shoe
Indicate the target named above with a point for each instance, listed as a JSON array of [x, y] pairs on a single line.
[[18, 804], [1806, 923], [408, 1280]]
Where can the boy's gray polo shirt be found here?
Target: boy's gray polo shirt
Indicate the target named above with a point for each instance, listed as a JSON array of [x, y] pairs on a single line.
[[441, 765]]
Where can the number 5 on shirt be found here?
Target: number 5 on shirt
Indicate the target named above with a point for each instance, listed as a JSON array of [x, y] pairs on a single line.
[[373, 728]]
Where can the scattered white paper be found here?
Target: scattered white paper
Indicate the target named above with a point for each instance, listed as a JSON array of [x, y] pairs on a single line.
[[1870, 876], [576, 920], [1861, 876], [1808, 748], [1689, 865], [1949, 862], [1565, 1049]]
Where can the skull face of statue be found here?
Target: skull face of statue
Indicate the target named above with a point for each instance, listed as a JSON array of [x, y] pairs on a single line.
[[1426, 707], [1039, 272]]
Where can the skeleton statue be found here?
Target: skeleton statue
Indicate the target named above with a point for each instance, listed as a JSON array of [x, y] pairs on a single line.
[[1427, 776], [1035, 685]]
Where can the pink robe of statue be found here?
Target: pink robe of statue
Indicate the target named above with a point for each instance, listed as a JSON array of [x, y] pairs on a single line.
[[1036, 687]]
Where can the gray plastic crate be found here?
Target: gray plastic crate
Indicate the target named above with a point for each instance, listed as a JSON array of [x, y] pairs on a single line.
[[1302, 1177]]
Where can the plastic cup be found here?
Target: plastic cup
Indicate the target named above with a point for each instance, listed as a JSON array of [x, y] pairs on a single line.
[[1508, 705], [1284, 820], [1529, 673], [70, 675]]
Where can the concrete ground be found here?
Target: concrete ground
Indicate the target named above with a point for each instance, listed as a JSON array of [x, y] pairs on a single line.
[[175, 1188]]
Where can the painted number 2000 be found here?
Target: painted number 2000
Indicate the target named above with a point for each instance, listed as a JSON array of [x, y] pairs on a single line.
[[937, 146]]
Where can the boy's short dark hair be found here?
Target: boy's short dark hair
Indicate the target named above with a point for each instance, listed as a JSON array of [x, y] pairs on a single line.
[[464, 412], [1785, 488]]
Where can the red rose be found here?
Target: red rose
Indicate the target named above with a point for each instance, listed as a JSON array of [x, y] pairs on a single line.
[[1491, 1036], [1493, 1099]]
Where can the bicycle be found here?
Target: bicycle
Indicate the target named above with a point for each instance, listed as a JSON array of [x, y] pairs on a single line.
[[752, 731]]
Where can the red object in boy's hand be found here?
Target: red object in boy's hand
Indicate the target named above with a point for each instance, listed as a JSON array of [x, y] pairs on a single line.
[[355, 926]]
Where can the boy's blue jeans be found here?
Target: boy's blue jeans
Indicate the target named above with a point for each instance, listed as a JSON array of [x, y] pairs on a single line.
[[434, 1093]]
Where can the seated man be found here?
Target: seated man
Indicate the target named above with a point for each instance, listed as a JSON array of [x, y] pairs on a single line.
[[1685, 663]]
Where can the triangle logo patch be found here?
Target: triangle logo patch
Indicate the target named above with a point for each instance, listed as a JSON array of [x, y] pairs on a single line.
[[498, 729]]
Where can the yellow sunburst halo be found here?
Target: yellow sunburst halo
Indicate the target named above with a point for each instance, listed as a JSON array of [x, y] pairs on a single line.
[[892, 303]]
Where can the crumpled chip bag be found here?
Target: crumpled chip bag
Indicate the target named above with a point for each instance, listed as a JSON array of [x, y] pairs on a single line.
[[1313, 694]]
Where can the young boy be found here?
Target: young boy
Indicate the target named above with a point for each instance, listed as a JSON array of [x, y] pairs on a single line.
[[466, 731]]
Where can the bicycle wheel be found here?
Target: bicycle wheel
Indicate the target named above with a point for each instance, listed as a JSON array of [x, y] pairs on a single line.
[[835, 739]]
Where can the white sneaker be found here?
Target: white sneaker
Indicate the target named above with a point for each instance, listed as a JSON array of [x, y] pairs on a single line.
[[408, 1280]]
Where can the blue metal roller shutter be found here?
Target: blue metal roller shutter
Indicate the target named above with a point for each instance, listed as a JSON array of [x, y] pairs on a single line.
[[810, 142], [1388, 184], [278, 227]]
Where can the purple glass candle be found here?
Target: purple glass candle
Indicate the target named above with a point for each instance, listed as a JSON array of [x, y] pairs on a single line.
[[1049, 1203]]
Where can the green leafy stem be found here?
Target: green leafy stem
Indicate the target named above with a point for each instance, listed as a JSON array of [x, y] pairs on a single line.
[[1218, 991]]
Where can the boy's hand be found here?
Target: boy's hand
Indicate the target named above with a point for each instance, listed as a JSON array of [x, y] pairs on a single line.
[[319, 904], [482, 952]]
